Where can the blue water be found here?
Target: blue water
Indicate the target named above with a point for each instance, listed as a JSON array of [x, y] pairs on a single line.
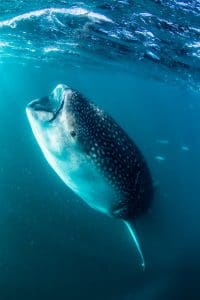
[[139, 61]]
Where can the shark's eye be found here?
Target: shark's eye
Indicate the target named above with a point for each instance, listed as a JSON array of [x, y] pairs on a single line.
[[73, 133]]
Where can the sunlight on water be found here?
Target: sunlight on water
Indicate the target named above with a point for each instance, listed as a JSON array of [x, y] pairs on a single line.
[[152, 37]]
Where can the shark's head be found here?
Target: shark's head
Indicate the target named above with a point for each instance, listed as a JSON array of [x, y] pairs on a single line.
[[63, 125], [53, 122]]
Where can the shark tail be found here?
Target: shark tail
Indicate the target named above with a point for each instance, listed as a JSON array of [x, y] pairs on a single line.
[[133, 233]]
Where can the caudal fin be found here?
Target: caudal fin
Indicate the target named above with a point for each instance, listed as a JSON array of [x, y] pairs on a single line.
[[133, 233]]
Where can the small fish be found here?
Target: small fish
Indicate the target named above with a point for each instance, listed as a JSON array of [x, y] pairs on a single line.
[[159, 157], [185, 148], [164, 142]]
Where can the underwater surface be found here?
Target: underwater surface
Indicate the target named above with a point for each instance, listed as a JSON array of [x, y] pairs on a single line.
[[140, 62]]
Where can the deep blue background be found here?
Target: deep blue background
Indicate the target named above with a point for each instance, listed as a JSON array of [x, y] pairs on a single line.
[[53, 246]]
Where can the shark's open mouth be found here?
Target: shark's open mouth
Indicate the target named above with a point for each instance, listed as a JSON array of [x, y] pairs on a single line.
[[45, 106], [57, 112]]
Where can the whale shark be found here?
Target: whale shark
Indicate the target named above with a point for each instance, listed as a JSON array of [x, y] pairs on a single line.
[[93, 155]]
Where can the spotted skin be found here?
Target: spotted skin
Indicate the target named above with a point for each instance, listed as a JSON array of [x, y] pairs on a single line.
[[116, 156], [93, 155]]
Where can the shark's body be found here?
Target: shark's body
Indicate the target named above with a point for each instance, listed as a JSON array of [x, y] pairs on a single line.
[[92, 154]]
